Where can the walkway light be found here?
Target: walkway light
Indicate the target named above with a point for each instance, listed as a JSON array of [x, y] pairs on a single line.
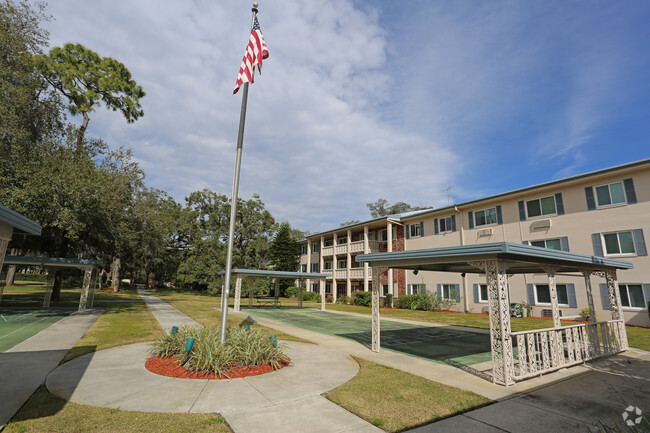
[[189, 344]]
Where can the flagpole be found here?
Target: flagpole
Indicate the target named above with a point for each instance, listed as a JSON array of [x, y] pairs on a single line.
[[233, 203]]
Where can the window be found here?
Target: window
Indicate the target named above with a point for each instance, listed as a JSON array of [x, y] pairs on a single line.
[[328, 288], [303, 268], [371, 236], [445, 224], [418, 289], [482, 293], [448, 291], [619, 243], [485, 217], [384, 235], [553, 244], [314, 267], [329, 243], [384, 289], [543, 294], [415, 230], [343, 240], [541, 206], [632, 295], [327, 265], [610, 194], [314, 248], [313, 287], [342, 264], [303, 249]]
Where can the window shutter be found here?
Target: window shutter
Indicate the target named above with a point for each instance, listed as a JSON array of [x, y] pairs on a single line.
[[646, 290], [435, 226], [409, 290], [525, 242], [564, 243], [531, 294], [453, 223], [559, 205], [604, 296], [571, 294], [470, 216], [457, 288], [589, 193], [499, 217], [439, 289], [522, 211], [421, 229], [408, 231], [629, 191], [476, 288], [598, 246], [639, 242]]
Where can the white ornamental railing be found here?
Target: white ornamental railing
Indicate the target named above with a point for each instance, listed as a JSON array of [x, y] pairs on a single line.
[[341, 249], [328, 251], [341, 273], [356, 273], [543, 350], [356, 247]]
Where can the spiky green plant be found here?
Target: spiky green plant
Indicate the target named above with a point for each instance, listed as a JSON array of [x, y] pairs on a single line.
[[242, 348]]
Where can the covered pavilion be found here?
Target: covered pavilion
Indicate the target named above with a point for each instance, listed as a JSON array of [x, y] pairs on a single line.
[[239, 274], [91, 270], [538, 351]]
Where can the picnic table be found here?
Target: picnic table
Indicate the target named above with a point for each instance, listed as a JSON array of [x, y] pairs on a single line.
[[268, 300]]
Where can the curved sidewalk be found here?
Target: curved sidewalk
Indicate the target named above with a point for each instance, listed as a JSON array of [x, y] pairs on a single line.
[[288, 400]]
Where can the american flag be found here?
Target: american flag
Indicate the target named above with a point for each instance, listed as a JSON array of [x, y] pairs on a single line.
[[255, 52]]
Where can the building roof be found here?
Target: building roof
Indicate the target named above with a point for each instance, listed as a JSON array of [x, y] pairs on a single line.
[[52, 262], [525, 259], [406, 215], [273, 274], [18, 221]]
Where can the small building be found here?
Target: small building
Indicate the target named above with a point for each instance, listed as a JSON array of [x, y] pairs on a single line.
[[12, 222]]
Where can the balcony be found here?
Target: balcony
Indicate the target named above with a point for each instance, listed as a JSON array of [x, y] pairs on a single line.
[[355, 248]]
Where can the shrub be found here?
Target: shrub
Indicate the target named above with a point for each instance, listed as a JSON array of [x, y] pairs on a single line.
[[421, 301], [329, 298], [311, 297], [389, 301], [438, 303], [30, 277], [291, 292], [363, 298], [243, 348], [343, 300], [405, 301]]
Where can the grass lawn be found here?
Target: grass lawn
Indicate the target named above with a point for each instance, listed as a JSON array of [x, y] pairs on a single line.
[[45, 412], [638, 337], [31, 294], [200, 307], [394, 400]]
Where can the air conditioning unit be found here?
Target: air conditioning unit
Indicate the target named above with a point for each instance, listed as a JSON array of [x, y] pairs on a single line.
[[485, 232], [547, 312], [541, 224]]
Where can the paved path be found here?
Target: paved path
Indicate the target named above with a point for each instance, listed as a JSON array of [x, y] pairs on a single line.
[[288, 400], [24, 367]]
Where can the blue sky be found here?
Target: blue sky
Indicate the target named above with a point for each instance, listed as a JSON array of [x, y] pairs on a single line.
[[366, 100]]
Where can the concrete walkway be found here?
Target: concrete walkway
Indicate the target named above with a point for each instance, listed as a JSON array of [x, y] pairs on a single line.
[[24, 367], [288, 400]]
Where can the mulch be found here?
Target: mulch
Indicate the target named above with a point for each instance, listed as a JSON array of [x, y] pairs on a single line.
[[171, 367]]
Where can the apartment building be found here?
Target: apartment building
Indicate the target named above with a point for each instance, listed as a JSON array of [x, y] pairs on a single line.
[[603, 213]]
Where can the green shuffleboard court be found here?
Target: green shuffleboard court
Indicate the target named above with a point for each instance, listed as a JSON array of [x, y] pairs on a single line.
[[439, 344], [18, 325]]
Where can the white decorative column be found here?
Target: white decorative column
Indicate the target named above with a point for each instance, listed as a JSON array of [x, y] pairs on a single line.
[[237, 294], [85, 288], [276, 282], [503, 369], [3, 251], [308, 281], [300, 289], [348, 265], [48, 288], [390, 250], [376, 292], [592, 330], [617, 307], [335, 266], [321, 266], [366, 250], [251, 290], [321, 289], [552, 287]]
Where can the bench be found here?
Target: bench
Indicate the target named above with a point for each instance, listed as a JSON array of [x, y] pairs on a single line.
[[268, 300]]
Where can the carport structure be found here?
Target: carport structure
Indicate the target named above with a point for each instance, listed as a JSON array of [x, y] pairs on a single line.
[[538, 351], [239, 274], [91, 270]]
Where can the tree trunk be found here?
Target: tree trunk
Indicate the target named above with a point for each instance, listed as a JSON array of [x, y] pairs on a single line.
[[82, 131], [56, 289], [11, 274], [115, 274]]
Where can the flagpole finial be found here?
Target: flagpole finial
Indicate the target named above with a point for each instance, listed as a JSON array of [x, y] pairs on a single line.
[[255, 5]]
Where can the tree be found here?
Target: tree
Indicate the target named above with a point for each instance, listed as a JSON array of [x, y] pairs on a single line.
[[85, 79], [284, 252], [381, 208], [349, 223]]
